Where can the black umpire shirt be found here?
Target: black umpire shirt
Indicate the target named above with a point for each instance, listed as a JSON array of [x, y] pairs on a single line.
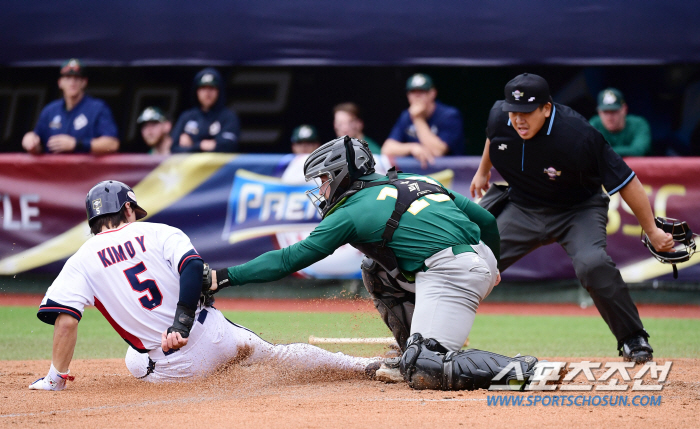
[[565, 163]]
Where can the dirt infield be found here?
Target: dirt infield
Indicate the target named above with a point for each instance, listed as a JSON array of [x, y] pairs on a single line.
[[105, 395], [346, 305]]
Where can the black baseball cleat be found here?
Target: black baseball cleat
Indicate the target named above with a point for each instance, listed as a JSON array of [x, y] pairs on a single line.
[[636, 349]]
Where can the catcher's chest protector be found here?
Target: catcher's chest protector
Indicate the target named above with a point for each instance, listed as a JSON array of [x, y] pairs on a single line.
[[408, 191], [380, 270]]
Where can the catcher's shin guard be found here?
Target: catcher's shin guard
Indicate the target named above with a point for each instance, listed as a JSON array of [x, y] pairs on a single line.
[[395, 305], [426, 365]]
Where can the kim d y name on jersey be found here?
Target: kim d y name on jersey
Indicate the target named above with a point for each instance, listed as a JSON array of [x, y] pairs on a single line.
[[117, 254]]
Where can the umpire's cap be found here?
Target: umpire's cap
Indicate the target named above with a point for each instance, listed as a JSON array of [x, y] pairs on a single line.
[[525, 93], [109, 197]]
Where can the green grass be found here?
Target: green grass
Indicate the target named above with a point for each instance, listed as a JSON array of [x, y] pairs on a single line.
[[24, 337]]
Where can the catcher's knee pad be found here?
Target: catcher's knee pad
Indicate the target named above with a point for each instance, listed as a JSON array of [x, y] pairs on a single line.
[[394, 304], [426, 364]]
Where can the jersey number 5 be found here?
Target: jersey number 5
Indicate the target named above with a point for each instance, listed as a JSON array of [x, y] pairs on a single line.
[[148, 285]]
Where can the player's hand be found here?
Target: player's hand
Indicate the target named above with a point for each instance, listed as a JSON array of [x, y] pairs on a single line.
[[61, 143], [418, 109], [480, 184], [172, 340], [185, 140], [31, 142], [207, 145], [422, 154], [662, 241], [498, 277]]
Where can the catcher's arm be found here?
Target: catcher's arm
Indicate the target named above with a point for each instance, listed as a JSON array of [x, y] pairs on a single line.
[[65, 335], [635, 197]]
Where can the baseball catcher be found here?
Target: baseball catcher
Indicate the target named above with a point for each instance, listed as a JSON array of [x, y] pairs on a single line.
[[431, 259]]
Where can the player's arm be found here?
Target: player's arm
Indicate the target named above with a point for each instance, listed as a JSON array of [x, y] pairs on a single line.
[[480, 182], [485, 220], [636, 198], [227, 139], [331, 233], [106, 130], [424, 155], [65, 335], [104, 144], [190, 268], [179, 136], [427, 138]]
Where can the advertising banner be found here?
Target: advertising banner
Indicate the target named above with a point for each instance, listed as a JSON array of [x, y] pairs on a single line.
[[236, 207]]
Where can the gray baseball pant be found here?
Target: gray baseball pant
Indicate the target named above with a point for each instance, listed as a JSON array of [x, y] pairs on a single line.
[[580, 230], [449, 292]]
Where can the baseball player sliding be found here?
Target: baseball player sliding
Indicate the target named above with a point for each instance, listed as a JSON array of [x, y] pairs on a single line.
[[146, 279]]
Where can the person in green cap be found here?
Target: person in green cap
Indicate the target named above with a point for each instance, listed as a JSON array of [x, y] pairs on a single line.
[[629, 135], [427, 129], [304, 139], [155, 130]]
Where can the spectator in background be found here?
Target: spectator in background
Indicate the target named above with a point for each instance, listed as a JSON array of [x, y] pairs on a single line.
[[211, 126], [304, 140], [77, 123], [348, 121], [428, 128], [155, 130], [629, 135]]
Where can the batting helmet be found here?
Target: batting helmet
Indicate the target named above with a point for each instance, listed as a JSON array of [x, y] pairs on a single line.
[[342, 161], [682, 234], [109, 197]]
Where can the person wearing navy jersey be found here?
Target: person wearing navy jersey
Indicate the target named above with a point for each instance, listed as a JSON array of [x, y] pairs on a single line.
[[427, 129], [211, 126], [77, 123], [557, 165]]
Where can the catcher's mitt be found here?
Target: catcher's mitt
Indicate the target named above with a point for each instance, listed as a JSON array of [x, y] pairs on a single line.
[[681, 234]]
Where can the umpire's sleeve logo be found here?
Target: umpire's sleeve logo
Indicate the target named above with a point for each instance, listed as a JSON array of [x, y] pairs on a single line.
[[96, 205]]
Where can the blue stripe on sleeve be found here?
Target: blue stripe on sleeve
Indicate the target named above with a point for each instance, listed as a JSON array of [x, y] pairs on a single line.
[[622, 185]]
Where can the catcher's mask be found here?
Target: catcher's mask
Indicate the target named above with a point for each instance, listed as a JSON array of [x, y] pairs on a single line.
[[681, 233], [334, 166]]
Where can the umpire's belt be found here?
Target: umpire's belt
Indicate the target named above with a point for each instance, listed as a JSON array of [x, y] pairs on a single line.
[[456, 250]]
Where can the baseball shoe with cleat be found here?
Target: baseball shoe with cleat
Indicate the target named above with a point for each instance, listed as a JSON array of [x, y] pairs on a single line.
[[636, 349]]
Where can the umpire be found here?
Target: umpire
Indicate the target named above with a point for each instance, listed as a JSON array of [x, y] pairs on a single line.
[[555, 164]]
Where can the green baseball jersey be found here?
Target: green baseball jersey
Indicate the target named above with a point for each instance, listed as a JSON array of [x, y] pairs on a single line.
[[432, 223], [633, 140]]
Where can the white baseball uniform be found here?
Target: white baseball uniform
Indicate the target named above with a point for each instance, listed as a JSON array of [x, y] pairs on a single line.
[[132, 275]]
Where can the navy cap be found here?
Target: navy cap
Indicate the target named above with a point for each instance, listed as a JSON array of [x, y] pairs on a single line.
[[525, 93], [208, 79]]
